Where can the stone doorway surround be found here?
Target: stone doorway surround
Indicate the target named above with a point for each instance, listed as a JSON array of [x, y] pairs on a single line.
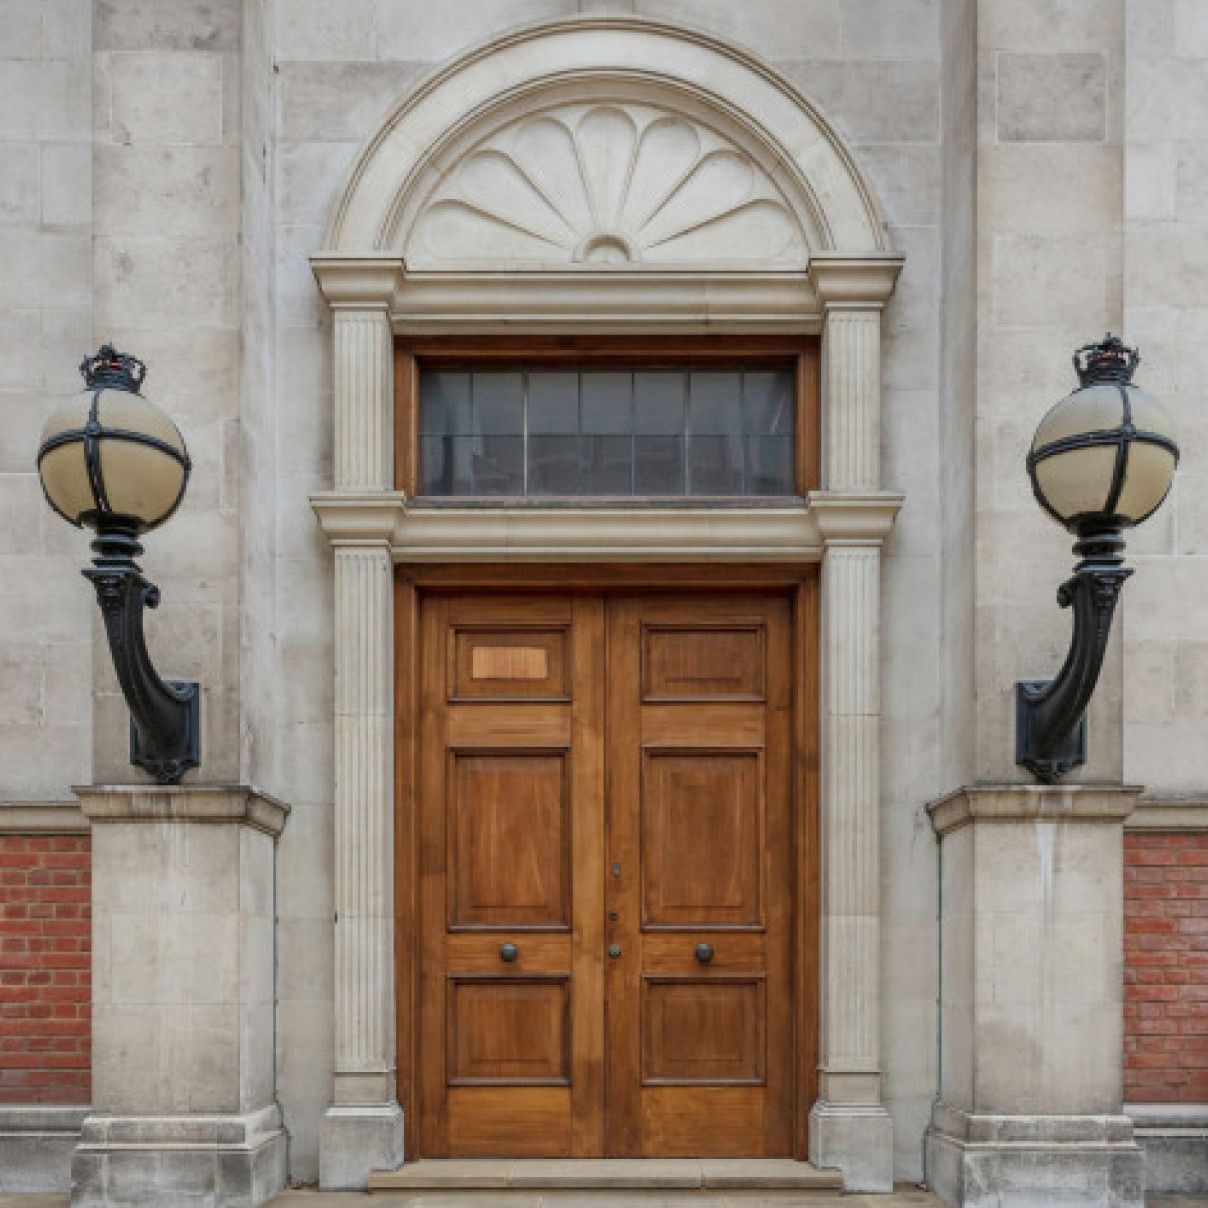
[[714, 197]]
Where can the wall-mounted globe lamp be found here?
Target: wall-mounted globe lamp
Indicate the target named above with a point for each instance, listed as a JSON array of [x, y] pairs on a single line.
[[111, 460], [1102, 460]]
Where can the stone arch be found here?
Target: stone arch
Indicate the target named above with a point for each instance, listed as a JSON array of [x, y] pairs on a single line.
[[793, 161]]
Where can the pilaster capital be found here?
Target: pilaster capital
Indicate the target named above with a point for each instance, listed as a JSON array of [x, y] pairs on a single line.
[[358, 282], [854, 518], [359, 519], [1033, 802], [843, 281]]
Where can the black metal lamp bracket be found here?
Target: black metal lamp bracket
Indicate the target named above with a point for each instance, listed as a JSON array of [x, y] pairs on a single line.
[[1050, 715], [165, 716]]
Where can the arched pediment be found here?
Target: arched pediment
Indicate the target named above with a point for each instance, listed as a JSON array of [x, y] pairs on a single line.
[[606, 141]]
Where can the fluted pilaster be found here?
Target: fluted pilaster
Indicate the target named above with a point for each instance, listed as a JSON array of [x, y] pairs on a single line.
[[851, 790], [364, 828], [364, 421], [851, 353]]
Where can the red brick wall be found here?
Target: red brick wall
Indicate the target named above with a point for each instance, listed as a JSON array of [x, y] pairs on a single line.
[[45, 968], [1165, 968]]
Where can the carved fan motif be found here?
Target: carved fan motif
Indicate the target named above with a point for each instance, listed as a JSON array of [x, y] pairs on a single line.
[[608, 184]]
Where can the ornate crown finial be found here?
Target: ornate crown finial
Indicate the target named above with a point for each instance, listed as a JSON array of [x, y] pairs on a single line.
[[1111, 360], [108, 367]]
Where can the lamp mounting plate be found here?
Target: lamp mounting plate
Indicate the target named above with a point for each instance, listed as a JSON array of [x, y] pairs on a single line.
[[1047, 770], [169, 770]]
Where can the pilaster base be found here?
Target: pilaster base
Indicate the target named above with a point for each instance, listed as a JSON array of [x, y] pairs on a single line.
[[193, 1161], [36, 1144], [356, 1141], [984, 1161], [855, 1139]]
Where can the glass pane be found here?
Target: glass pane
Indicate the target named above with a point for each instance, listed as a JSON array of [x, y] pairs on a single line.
[[499, 403], [769, 465], [658, 403], [768, 403], [498, 464], [445, 467], [553, 402], [658, 465], [605, 402], [605, 465], [715, 465], [714, 403], [553, 465], [445, 404]]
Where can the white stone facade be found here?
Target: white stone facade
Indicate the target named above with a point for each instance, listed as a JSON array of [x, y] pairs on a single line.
[[251, 195]]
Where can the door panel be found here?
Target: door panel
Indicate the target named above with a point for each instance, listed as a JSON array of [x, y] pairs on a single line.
[[700, 1047], [511, 857], [534, 858]]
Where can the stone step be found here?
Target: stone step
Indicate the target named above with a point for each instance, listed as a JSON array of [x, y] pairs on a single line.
[[681, 1179]]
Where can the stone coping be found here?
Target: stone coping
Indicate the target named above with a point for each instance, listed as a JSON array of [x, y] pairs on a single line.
[[1032, 802], [1181, 814], [42, 818], [1165, 1117], [41, 1117], [195, 803]]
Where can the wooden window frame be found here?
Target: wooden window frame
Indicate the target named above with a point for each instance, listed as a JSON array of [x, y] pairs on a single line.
[[800, 353]]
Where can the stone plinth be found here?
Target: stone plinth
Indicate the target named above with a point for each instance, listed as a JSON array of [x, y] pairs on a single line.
[[183, 1099], [1032, 955]]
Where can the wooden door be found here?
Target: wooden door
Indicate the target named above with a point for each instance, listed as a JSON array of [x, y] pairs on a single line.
[[560, 1048], [700, 1043], [511, 866]]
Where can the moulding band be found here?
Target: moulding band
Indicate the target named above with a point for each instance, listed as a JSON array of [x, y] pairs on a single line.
[[42, 818], [1169, 814]]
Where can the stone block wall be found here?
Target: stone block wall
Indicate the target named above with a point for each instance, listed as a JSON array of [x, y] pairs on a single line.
[[45, 328], [1166, 968], [45, 969]]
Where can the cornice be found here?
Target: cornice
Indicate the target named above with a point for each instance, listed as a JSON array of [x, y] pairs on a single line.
[[1033, 802], [842, 280], [854, 518], [191, 803], [359, 519]]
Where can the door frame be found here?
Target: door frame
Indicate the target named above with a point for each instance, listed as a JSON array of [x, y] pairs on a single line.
[[800, 583]]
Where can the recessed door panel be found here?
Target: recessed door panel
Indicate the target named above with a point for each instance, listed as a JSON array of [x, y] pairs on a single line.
[[706, 1031], [509, 839], [508, 1031], [702, 829]]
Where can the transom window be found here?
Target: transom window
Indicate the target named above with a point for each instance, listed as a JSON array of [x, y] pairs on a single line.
[[645, 432]]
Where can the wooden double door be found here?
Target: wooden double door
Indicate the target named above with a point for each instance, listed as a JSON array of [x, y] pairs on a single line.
[[607, 872]]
